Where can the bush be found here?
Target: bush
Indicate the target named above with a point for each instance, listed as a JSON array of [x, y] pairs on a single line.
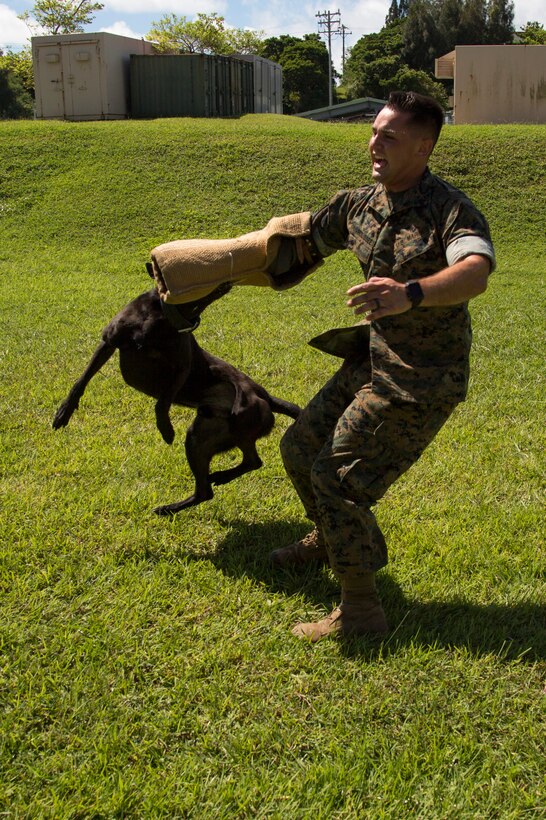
[[15, 102]]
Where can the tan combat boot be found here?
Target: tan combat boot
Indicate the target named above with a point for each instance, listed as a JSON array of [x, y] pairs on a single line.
[[309, 550], [359, 613]]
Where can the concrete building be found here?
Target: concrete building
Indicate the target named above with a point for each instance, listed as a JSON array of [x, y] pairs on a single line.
[[83, 76], [496, 84]]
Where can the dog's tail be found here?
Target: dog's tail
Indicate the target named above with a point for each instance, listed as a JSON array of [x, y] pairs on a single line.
[[284, 407]]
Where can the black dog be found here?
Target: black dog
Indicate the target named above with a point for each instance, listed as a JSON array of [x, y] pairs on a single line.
[[159, 356]]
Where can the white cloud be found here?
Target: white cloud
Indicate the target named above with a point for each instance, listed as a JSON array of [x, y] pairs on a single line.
[[121, 28], [283, 17], [526, 11], [156, 8], [15, 33]]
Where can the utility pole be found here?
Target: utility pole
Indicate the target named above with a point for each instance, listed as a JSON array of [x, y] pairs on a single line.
[[344, 31], [329, 22]]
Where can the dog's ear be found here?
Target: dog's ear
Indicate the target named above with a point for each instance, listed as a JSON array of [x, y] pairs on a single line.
[[150, 269]]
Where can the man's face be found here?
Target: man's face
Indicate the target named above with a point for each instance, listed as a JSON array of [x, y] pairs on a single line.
[[399, 151]]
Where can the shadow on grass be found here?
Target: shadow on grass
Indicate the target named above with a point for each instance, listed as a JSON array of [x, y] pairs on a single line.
[[510, 632]]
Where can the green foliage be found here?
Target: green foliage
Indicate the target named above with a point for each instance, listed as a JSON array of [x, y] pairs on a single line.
[[408, 79], [422, 39], [60, 16], [305, 70], [500, 22], [385, 43], [373, 61], [434, 27], [375, 67], [20, 64], [398, 10], [533, 34], [147, 665], [374, 79], [207, 34], [472, 28], [15, 102]]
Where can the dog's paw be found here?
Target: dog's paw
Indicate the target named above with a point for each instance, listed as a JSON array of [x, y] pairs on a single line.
[[62, 416], [167, 434], [173, 509], [166, 509], [164, 424]]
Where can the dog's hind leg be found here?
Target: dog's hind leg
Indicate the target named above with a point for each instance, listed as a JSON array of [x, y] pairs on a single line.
[[201, 445], [208, 436], [101, 355], [251, 461]]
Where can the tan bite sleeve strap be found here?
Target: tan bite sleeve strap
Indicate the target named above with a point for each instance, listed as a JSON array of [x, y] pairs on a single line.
[[187, 269]]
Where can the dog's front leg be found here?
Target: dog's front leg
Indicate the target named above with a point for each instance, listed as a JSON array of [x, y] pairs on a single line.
[[101, 355], [162, 419], [163, 404]]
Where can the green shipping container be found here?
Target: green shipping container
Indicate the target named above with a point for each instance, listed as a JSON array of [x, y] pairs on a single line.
[[190, 85]]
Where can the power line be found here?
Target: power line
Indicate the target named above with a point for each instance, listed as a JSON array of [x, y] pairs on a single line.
[[344, 31], [329, 23]]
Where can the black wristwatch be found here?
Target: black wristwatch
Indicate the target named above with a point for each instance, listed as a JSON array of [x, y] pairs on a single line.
[[414, 292]]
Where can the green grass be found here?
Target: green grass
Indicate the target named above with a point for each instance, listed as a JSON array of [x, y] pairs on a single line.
[[147, 667]]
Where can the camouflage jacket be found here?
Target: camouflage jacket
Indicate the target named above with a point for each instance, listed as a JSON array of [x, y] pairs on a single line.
[[421, 355]]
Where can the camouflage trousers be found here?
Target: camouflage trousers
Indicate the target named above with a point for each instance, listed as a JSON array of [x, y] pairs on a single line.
[[343, 453]]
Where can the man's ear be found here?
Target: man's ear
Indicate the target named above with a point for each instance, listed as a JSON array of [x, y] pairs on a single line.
[[425, 149]]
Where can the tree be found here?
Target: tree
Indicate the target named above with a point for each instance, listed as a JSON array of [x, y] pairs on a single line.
[[372, 61], [449, 20], [500, 21], [19, 63], [304, 64], [207, 34], [472, 29], [15, 102], [393, 15], [422, 38], [373, 78], [533, 34], [398, 10], [273, 47], [60, 16], [408, 79]]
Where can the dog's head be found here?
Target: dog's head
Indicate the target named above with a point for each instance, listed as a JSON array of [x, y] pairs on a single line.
[[187, 315]]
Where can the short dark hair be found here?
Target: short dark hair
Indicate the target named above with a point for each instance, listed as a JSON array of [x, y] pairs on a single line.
[[425, 111]]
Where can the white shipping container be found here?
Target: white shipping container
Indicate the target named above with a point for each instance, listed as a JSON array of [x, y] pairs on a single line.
[[84, 76]]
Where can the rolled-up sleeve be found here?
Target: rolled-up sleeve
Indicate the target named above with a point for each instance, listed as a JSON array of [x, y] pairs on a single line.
[[466, 232], [468, 245]]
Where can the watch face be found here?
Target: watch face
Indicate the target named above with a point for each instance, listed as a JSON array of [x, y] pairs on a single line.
[[415, 293]]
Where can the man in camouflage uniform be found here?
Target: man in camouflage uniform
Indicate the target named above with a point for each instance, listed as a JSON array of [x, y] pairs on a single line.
[[425, 250]]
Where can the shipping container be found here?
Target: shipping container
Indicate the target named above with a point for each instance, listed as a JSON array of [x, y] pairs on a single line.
[[267, 84], [83, 76], [191, 85]]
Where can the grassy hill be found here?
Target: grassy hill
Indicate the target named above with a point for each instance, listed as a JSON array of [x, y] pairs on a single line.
[[147, 666]]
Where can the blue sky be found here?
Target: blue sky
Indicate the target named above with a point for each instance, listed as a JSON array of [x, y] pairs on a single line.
[[134, 18]]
